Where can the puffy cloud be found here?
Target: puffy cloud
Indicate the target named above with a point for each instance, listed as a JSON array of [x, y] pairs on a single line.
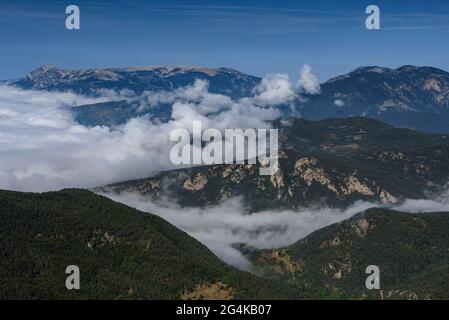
[[308, 82], [197, 93], [274, 89], [339, 103]]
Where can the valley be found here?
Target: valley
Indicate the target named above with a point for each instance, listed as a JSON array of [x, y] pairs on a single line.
[[126, 254]]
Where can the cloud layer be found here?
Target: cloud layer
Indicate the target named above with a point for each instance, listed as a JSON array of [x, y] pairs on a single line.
[[220, 227]]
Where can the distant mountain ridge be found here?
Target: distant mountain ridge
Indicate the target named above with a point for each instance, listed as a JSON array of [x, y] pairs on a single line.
[[409, 96], [137, 79]]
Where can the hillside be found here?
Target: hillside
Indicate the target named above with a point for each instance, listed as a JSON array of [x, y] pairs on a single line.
[[409, 96], [126, 254], [411, 251], [122, 253], [334, 161]]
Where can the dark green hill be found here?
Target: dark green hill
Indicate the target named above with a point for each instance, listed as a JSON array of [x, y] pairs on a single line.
[[411, 251], [364, 134], [122, 253]]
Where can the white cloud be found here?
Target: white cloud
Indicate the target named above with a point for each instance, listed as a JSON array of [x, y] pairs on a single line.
[[274, 89], [308, 82], [339, 103], [197, 93], [438, 202]]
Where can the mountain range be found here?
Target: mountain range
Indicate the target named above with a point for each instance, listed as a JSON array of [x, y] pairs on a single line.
[[409, 96], [91, 82]]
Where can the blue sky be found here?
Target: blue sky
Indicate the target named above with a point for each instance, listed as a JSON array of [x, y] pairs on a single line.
[[256, 37]]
